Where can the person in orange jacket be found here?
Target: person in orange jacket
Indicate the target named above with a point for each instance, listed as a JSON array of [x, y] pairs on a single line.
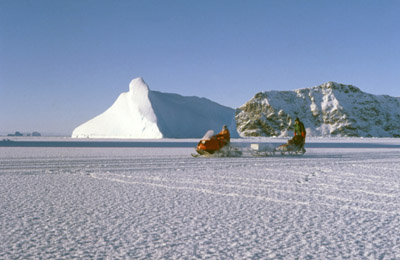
[[224, 135]]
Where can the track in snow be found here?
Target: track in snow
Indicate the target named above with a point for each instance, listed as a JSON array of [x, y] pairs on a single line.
[[162, 203]]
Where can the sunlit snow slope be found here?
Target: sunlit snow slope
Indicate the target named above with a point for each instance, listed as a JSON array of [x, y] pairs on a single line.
[[142, 113]]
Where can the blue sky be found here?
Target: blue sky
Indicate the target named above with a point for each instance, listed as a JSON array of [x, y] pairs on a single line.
[[64, 62]]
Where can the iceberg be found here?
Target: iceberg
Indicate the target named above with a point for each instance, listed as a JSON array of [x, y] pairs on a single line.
[[145, 114]]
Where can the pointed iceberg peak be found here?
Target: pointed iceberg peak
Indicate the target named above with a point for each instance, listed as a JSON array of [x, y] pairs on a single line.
[[138, 85]]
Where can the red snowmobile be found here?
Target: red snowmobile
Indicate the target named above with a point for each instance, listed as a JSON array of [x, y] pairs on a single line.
[[211, 143], [216, 145]]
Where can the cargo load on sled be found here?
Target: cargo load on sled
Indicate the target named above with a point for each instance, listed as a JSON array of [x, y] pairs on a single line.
[[295, 146], [262, 149]]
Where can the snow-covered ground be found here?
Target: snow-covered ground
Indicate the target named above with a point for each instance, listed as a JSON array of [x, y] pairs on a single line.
[[335, 202]]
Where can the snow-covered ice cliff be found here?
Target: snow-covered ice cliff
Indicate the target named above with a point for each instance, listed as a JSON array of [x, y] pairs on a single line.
[[142, 113], [330, 109]]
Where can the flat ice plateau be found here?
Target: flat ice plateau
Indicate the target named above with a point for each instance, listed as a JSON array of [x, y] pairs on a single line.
[[335, 202]]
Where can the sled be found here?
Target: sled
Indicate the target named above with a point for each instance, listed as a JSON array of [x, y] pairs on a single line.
[[215, 146], [295, 146], [262, 149]]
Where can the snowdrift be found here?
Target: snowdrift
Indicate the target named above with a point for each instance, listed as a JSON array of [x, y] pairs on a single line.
[[142, 113]]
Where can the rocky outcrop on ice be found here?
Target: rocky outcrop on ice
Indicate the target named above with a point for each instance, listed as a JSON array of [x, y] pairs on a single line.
[[142, 113], [330, 109]]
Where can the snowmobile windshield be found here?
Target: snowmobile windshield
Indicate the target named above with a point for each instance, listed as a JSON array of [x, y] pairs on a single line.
[[208, 135]]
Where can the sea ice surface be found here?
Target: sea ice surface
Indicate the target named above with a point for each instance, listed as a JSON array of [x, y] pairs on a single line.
[[161, 203]]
